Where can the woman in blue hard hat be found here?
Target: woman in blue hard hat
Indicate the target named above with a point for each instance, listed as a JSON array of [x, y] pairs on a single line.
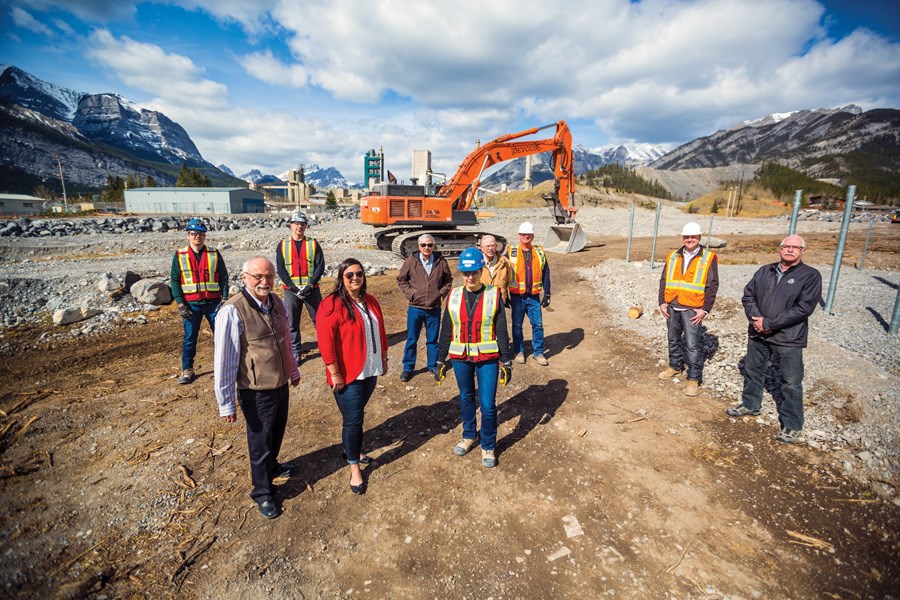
[[475, 339]]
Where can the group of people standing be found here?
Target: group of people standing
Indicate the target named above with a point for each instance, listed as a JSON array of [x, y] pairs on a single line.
[[258, 345], [778, 302]]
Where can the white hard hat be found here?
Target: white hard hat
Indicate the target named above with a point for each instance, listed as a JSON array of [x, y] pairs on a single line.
[[526, 227], [298, 217], [692, 229]]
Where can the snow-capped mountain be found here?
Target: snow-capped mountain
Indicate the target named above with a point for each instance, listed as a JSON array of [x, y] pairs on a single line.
[[226, 170], [512, 174], [258, 177], [38, 95], [94, 135]]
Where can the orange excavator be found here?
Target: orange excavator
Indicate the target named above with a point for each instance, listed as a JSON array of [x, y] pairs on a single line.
[[408, 211]]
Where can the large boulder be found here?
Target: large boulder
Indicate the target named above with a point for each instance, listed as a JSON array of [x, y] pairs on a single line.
[[109, 284], [67, 316], [148, 291]]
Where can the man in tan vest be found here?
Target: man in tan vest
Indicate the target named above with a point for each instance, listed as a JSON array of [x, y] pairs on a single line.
[[497, 270], [253, 354]]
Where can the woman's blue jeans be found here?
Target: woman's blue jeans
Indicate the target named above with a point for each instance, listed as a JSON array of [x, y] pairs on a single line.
[[485, 373], [352, 402]]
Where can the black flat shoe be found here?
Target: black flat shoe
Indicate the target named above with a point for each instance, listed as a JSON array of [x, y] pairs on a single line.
[[268, 509], [359, 490]]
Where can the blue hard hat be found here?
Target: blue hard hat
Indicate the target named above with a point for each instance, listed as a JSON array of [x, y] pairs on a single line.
[[471, 259], [195, 224]]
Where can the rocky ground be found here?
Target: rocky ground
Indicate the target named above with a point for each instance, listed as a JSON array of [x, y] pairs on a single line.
[[121, 483]]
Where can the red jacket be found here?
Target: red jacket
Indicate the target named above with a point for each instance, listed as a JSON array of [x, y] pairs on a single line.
[[344, 341]]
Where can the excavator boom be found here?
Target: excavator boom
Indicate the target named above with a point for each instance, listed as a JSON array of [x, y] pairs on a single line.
[[406, 208]]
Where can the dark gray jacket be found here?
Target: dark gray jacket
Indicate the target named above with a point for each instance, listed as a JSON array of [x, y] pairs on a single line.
[[785, 305]]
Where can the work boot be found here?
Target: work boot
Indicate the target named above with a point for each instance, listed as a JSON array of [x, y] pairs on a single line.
[[693, 388], [187, 376], [520, 358], [539, 359], [464, 446], [669, 373], [488, 460]]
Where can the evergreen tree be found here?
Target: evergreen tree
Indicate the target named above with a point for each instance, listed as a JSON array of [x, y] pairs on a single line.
[[183, 177], [331, 200], [150, 181]]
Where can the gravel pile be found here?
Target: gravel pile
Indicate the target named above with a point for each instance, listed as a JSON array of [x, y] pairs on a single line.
[[852, 403]]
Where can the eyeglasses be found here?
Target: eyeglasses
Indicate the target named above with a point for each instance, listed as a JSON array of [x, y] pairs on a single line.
[[789, 247], [261, 277], [426, 245], [354, 274]]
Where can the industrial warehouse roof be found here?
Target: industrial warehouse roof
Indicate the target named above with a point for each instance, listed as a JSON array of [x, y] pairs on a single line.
[[188, 189]]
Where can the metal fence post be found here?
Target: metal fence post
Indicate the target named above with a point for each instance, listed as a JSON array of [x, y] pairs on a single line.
[[895, 319], [630, 229], [655, 230], [839, 252], [862, 262], [709, 231], [798, 195]]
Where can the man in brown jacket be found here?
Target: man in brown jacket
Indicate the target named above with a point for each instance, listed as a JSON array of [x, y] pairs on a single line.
[[497, 269], [425, 279], [253, 354]]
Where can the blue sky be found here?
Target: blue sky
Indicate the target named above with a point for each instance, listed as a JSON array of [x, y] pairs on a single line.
[[273, 83]]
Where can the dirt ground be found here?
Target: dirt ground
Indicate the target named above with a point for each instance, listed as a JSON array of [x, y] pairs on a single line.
[[117, 482]]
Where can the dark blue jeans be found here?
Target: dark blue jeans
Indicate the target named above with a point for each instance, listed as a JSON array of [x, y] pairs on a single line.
[[206, 308], [521, 305], [485, 373], [415, 319], [352, 402], [294, 306], [266, 412], [790, 410], [679, 324]]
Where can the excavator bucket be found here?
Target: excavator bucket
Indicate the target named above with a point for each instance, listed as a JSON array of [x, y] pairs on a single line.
[[565, 238]]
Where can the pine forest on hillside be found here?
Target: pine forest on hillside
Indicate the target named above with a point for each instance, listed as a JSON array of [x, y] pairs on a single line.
[[783, 182], [623, 179]]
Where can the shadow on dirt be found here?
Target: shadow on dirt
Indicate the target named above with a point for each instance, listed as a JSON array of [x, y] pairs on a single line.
[[408, 431]]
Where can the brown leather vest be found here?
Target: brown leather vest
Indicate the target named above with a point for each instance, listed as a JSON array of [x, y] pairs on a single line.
[[265, 363]]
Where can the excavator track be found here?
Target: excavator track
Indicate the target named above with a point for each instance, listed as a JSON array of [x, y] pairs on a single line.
[[449, 242]]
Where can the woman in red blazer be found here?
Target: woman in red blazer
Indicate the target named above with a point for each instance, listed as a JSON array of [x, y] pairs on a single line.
[[353, 345]]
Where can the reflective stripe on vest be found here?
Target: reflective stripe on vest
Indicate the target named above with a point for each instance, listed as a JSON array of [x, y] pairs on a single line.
[[517, 260], [199, 280], [688, 287], [474, 338], [295, 264]]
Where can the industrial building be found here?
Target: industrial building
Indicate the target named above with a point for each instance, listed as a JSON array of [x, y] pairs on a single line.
[[194, 201], [21, 204]]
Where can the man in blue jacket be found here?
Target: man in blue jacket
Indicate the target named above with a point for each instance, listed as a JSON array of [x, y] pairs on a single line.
[[778, 302]]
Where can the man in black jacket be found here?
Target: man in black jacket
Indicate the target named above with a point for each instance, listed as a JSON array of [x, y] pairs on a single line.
[[778, 302]]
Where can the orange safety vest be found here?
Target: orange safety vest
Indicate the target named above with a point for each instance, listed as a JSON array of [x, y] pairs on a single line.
[[538, 260], [687, 286], [474, 337], [199, 280], [299, 266]]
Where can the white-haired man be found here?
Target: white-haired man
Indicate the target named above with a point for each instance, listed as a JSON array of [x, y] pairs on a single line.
[[425, 279], [253, 354]]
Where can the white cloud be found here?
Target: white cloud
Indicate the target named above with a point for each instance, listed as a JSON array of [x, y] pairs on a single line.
[[25, 20], [64, 27], [149, 68], [267, 68]]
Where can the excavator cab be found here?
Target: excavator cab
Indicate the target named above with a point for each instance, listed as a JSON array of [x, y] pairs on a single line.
[[566, 236]]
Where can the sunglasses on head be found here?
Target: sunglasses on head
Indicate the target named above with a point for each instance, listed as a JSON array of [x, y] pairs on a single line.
[[354, 274]]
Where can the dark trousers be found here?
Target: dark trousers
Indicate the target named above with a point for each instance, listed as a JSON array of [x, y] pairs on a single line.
[[294, 306], [266, 412], [790, 410], [352, 402]]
